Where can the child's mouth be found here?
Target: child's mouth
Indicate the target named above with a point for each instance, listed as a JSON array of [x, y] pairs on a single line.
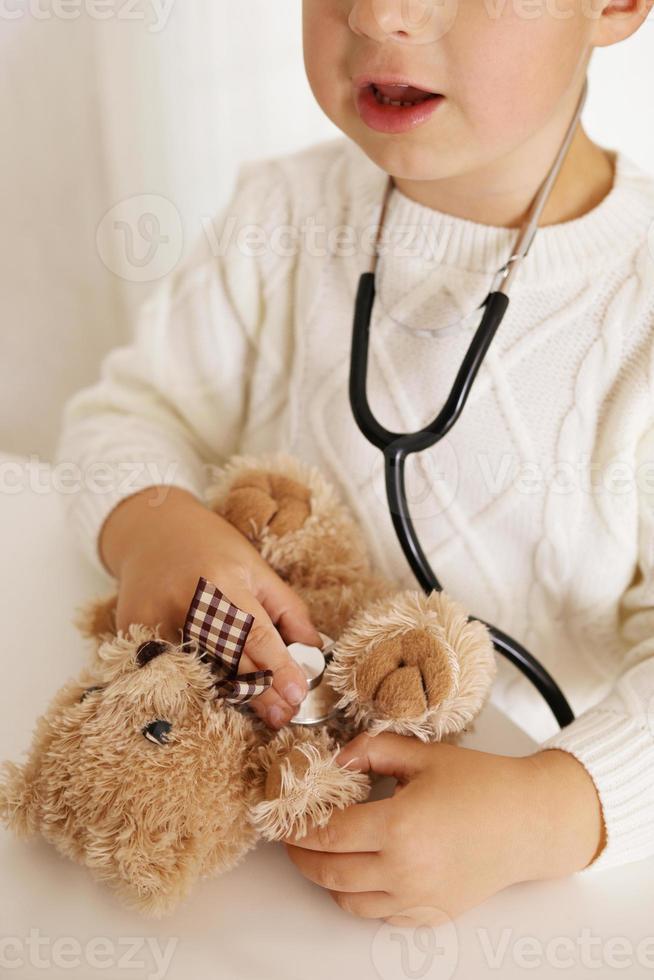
[[395, 108], [400, 95]]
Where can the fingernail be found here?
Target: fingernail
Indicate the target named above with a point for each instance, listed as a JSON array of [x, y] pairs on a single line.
[[293, 693], [275, 715]]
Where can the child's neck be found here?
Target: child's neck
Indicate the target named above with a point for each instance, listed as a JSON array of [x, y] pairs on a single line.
[[501, 197]]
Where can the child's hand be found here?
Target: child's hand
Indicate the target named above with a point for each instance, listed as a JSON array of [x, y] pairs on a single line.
[[158, 543], [461, 826]]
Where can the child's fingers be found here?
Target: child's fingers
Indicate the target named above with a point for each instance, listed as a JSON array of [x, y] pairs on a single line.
[[270, 707], [265, 650], [286, 609], [264, 647], [386, 754], [363, 827]]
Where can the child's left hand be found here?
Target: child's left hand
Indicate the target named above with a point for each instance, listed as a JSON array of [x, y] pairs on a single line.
[[461, 826]]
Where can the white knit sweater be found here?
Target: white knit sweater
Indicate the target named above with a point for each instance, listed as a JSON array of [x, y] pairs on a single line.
[[537, 512]]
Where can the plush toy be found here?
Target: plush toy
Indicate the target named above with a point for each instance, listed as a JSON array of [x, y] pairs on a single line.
[[152, 769]]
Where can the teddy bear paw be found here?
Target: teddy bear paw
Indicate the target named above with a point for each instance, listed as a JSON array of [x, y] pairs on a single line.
[[404, 675], [303, 787], [414, 665], [261, 500]]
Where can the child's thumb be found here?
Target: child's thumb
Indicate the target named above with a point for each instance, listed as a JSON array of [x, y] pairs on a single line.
[[287, 610], [400, 756]]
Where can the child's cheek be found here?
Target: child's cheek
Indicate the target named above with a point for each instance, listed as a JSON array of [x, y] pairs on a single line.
[[512, 62], [503, 65], [326, 37]]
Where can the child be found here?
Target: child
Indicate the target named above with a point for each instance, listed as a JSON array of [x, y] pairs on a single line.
[[538, 510]]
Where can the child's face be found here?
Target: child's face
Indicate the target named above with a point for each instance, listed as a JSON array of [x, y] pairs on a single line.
[[508, 70]]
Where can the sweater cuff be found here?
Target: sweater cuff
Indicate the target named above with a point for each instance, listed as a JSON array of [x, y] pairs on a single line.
[[618, 753], [89, 507]]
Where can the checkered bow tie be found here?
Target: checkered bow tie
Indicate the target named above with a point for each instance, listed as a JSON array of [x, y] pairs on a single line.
[[220, 630]]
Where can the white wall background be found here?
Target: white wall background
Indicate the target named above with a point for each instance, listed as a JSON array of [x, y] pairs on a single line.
[[98, 111]]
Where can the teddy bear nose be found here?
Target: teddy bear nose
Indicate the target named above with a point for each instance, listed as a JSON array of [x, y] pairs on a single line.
[[149, 650]]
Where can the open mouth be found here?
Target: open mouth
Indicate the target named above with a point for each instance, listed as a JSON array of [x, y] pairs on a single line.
[[395, 108], [402, 96]]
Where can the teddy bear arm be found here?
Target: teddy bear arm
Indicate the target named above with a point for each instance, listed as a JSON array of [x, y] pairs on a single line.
[[300, 784]]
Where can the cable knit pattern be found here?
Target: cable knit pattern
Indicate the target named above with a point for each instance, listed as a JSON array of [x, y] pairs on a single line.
[[537, 510]]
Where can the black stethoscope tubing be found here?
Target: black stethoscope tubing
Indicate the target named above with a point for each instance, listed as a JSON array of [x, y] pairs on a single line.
[[397, 446]]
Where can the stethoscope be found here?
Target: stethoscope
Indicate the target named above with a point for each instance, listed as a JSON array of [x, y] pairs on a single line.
[[396, 446]]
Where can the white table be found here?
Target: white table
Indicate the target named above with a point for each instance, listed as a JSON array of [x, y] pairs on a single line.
[[262, 921]]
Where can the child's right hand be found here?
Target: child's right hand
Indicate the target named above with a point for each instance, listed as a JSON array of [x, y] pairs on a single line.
[[158, 543]]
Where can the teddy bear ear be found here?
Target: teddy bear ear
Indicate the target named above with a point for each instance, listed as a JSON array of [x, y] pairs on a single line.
[[16, 800], [97, 619]]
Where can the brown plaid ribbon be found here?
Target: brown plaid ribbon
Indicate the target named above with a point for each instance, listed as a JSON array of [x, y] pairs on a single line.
[[220, 630]]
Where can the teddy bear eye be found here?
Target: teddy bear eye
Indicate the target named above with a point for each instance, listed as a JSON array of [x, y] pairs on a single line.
[[88, 691], [157, 731], [149, 650]]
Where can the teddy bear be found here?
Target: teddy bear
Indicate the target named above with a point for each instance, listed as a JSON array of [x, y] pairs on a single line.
[[145, 769]]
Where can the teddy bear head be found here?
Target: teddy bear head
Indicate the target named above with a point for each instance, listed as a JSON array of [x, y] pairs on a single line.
[[137, 770]]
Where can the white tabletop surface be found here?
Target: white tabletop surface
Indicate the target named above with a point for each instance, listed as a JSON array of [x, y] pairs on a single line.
[[263, 920]]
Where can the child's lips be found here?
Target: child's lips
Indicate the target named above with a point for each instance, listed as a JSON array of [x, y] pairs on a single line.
[[374, 105]]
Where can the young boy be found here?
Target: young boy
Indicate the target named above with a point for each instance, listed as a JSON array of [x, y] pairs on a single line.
[[538, 510]]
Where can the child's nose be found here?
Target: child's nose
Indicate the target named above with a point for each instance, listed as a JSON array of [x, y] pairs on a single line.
[[416, 21]]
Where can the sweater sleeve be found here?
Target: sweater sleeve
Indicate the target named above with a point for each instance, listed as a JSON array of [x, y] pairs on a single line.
[[614, 740], [177, 397]]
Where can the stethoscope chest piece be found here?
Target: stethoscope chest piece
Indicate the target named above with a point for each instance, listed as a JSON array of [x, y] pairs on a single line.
[[319, 704]]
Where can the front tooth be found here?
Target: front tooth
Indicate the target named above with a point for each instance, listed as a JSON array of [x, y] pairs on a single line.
[[384, 99]]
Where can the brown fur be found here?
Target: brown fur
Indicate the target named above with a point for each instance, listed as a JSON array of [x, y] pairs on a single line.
[[149, 818]]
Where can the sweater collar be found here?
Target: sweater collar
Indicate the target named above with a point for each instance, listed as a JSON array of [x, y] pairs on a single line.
[[614, 228]]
